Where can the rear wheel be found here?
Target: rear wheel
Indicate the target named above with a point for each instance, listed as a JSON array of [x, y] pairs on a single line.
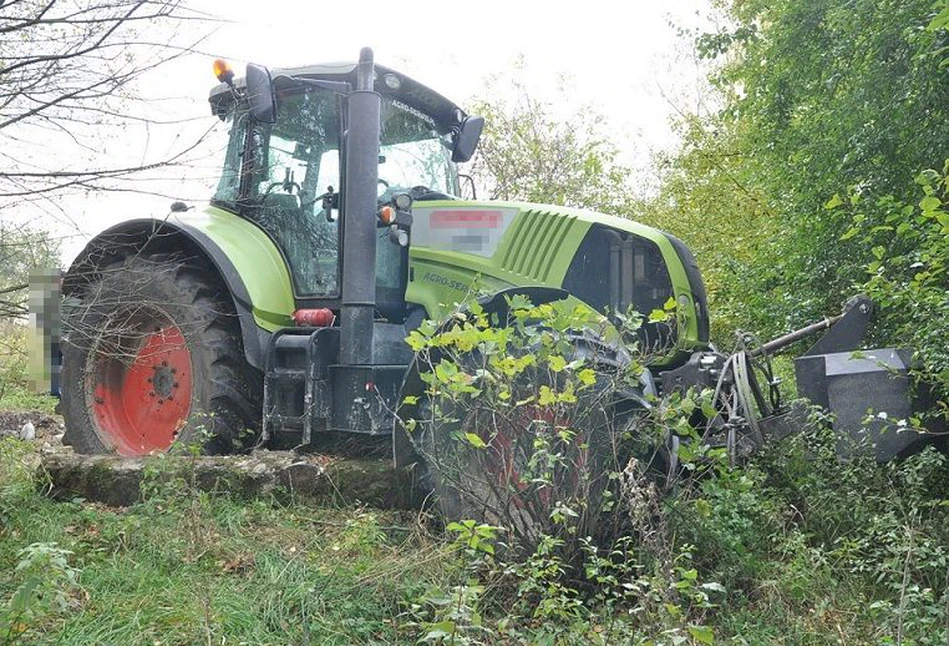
[[153, 357]]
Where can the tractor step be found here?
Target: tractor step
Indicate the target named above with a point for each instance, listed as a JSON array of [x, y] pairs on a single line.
[[308, 392]]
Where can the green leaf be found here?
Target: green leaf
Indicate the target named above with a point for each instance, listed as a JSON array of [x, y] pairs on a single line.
[[657, 316], [941, 21], [587, 376], [930, 203], [547, 396], [439, 631], [475, 440], [703, 507], [715, 587], [557, 363], [702, 634], [458, 528], [833, 202]]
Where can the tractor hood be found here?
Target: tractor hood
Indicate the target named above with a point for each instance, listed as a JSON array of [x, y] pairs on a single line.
[[604, 261], [388, 82]]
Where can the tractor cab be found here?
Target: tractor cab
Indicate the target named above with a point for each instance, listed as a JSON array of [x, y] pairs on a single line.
[[285, 171]]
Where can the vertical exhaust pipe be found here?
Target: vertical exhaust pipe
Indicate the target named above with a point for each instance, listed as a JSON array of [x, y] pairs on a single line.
[[359, 217]]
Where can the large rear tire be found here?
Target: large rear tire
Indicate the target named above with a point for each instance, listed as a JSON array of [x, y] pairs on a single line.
[[152, 356]]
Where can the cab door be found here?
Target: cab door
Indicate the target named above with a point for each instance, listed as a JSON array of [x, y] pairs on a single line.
[[291, 164]]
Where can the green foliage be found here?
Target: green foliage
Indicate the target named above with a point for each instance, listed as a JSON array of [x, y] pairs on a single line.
[[521, 424], [15, 393], [818, 99], [793, 545], [46, 585], [908, 276], [16, 474], [516, 420], [181, 571]]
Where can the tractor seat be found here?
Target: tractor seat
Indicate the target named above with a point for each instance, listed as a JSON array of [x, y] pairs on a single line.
[[303, 239]]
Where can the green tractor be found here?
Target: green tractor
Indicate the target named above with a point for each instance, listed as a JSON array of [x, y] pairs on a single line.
[[278, 314]]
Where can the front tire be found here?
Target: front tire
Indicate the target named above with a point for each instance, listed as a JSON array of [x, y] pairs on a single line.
[[153, 357], [520, 466]]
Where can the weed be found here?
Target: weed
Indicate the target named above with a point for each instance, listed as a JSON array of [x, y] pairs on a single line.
[[47, 585]]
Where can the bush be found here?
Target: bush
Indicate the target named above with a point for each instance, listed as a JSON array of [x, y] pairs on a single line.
[[524, 422], [793, 544], [909, 276]]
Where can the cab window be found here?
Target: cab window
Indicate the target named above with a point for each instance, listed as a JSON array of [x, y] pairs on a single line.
[[296, 161]]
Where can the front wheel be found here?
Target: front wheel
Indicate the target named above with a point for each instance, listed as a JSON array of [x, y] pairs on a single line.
[[153, 357], [521, 461]]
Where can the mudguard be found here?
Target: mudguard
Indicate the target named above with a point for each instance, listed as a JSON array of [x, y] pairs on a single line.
[[241, 254]]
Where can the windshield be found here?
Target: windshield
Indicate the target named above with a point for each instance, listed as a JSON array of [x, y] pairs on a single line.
[[413, 153], [277, 175]]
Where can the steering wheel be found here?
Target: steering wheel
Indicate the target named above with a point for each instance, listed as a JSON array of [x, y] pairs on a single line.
[[274, 185]]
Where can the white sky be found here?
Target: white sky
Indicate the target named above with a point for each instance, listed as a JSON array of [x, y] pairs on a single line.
[[619, 58]]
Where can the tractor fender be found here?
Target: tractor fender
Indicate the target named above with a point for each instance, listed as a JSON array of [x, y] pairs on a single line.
[[240, 254]]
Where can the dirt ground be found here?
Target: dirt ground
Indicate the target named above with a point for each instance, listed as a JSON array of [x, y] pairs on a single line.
[[48, 429]]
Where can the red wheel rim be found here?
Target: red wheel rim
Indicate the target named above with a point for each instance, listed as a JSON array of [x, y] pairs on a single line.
[[503, 463], [141, 390]]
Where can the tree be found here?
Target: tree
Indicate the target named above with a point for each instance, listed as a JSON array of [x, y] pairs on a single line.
[[68, 70], [711, 198], [820, 98], [529, 154], [22, 249], [68, 73]]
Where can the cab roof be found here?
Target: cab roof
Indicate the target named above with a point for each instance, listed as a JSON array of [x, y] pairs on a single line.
[[446, 114]]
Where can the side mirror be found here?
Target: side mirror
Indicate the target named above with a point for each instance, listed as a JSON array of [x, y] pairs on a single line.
[[260, 94], [466, 141]]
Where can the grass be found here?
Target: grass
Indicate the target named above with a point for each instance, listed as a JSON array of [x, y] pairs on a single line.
[[797, 546], [198, 569], [18, 398], [184, 567], [798, 562]]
